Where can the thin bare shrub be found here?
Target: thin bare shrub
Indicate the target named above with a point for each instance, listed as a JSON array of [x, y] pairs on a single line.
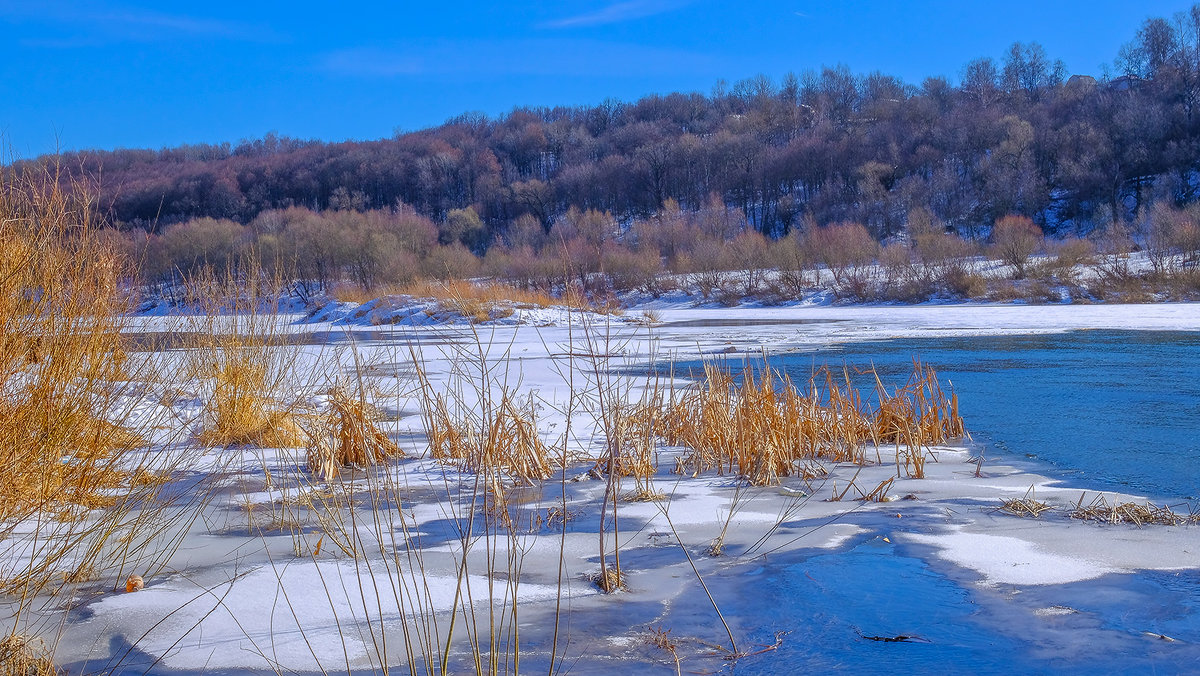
[[1014, 239], [847, 250], [793, 276]]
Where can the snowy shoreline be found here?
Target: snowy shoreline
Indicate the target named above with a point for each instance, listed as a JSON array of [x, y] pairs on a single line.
[[209, 608]]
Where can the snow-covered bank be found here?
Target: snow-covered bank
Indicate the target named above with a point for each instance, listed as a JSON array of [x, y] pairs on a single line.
[[259, 583]]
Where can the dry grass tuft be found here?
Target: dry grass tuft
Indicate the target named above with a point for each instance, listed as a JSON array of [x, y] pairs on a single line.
[[62, 359], [24, 656], [347, 437], [1024, 507], [631, 439], [649, 318], [238, 354], [479, 302], [241, 410], [763, 427], [644, 494], [610, 580], [497, 436], [1100, 511]]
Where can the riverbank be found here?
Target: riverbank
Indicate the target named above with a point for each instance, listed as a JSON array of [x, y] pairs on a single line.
[[281, 571]]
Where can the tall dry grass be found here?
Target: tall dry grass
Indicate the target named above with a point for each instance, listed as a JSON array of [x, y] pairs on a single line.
[[474, 424], [490, 430], [762, 427], [62, 358], [237, 357], [914, 417], [23, 656], [477, 301], [346, 436], [81, 493]]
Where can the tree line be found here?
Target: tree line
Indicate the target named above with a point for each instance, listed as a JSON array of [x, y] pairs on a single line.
[[1018, 136]]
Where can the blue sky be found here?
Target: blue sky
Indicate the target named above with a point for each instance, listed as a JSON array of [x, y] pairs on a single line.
[[141, 74]]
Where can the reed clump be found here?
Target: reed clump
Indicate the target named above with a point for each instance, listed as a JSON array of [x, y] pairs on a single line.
[[1101, 511], [915, 417], [62, 359], [630, 433], [25, 656], [762, 427], [241, 412], [346, 436], [1026, 506], [238, 354], [497, 436], [610, 580]]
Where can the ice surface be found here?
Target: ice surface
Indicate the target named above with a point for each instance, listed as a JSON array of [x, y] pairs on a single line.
[[240, 595]]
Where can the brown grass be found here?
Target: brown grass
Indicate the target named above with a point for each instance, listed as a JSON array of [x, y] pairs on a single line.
[[1101, 511], [660, 637], [61, 354], [914, 417], [1025, 506], [24, 656], [764, 427], [610, 580], [479, 302], [346, 436], [238, 354], [498, 436], [242, 411]]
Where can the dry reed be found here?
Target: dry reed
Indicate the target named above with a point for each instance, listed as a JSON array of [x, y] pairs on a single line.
[[62, 360], [25, 656], [346, 437], [764, 427], [500, 436], [1026, 506], [660, 637], [74, 468], [1101, 511], [241, 411], [238, 354]]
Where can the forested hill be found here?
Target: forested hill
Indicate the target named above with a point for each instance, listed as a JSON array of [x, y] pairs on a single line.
[[1019, 135]]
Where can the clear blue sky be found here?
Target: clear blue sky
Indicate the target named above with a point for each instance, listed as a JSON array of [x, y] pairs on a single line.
[[143, 74]]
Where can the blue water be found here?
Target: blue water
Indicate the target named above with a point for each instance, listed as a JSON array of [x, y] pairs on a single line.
[[1116, 410], [832, 602]]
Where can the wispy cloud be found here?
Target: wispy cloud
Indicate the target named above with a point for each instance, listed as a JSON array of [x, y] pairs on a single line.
[[535, 57], [618, 12], [66, 26]]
